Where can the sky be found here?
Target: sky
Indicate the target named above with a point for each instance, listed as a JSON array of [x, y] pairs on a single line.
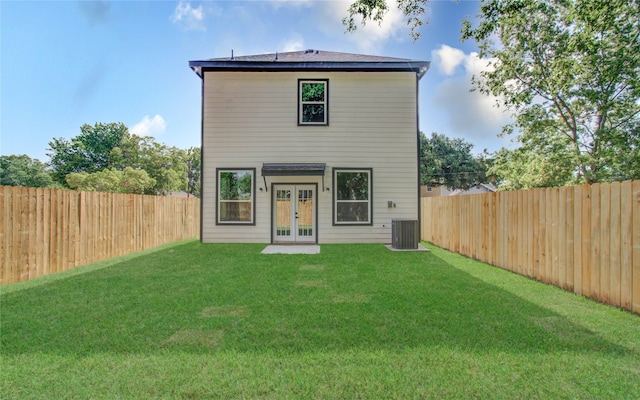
[[68, 63]]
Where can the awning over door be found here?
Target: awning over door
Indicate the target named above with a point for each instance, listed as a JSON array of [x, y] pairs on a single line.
[[293, 169]]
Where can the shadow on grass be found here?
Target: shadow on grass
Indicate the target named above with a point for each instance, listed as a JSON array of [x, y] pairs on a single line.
[[214, 298]]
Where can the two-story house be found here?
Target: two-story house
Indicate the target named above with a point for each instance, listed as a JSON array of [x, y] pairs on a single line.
[[308, 147]]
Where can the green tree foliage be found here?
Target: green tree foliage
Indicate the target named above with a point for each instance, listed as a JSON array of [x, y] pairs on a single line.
[[166, 165], [375, 10], [568, 68], [525, 169], [90, 151], [106, 150], [21, 170], [193, 161], [449, 162], [128, 180]]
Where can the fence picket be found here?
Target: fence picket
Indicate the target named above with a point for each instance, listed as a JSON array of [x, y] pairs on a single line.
[[626, 245], [577, 241], [562, 237], [585, 242], [636, 247], [605, 240], [596, 244], [5, 210], [570, 242], [615, 247]]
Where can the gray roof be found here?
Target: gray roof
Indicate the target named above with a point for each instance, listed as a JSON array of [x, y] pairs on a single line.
[[314, 60]]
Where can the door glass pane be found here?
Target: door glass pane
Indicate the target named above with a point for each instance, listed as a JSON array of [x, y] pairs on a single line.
[[283, 212], [305, 212]]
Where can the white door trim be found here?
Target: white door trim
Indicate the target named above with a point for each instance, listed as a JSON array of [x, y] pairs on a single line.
[[294, 213]]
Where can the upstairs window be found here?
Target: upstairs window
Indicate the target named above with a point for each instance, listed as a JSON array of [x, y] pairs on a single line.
[[236, 200], [313, 102]]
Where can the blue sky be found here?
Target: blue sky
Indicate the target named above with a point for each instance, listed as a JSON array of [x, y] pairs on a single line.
[[67, 63]]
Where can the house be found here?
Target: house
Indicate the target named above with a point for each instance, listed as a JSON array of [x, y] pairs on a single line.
[[308, 147], [429, 191]]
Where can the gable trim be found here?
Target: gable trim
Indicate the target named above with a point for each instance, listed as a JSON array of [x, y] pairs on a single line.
[[418, 67]]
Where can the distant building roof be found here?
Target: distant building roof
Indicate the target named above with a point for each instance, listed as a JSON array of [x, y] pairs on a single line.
[[313, 60], [486, 187]]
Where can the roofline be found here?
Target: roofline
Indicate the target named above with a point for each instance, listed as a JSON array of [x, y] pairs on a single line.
[[419, 67]]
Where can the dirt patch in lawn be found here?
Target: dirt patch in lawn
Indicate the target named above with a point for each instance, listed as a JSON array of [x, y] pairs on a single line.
[[223, 311], [312, 268], [352, 298]]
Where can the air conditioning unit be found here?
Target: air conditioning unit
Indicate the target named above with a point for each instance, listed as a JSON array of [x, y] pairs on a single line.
[[405, 233]]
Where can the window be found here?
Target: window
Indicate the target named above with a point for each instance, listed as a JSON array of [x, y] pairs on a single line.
[[314, 103], [236, 200], [352, 191]]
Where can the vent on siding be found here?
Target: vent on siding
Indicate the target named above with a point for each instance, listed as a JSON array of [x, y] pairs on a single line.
[[405, 233]]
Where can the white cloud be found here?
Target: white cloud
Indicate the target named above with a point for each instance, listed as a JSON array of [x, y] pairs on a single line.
[[470, 114], [295, 42], [188, 17], [447, 58], [149, 126], [277, 4]]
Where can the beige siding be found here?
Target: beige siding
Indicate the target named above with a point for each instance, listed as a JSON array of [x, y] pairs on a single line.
[[251, 118]]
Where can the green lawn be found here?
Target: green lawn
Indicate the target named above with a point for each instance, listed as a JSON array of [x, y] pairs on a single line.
[[194, 320]]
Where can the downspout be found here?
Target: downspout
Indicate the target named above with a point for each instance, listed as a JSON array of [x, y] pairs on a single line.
[[418, 76], [202, 158]]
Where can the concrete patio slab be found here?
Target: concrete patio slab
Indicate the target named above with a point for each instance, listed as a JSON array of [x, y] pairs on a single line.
[[291, 249], [420, 248]]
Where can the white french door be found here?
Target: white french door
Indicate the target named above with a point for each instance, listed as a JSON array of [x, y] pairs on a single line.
[[294, 213]]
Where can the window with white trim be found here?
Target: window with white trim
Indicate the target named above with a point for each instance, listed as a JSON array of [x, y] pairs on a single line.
[[313, 102], [236, 199], [352, 197]]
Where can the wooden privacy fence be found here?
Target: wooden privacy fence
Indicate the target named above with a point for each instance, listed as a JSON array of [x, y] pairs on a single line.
[[585, 239], [45, 230]]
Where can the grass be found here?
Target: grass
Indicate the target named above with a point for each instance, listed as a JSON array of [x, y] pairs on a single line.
[[196, 320]]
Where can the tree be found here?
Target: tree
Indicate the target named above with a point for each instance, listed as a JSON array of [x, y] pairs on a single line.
[[570, 71], [111, 180], [193, 162], [375, 10], [166, 165], [449, 162], [91, 151], [111, 147], [22, 170], [523, 169]]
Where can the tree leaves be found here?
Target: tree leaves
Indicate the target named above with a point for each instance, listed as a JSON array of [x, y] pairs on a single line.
[[448, 162], [569, 68], [375, 10], [107, 157], [22, 170]]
